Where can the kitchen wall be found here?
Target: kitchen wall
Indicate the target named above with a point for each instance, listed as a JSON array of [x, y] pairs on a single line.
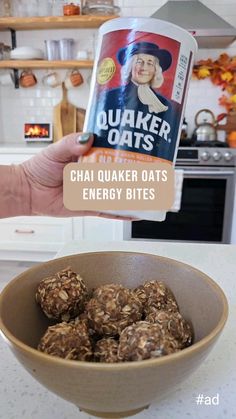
[[36, 104]]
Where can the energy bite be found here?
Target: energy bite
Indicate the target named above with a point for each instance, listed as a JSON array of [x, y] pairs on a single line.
[[144, 340], [106, 350], [110, 323], [67, 340], [94, 336], [156, 294], [173, 323], [112, 308], [62, 296]]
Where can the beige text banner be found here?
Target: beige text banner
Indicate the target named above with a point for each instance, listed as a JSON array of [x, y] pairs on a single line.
[[118, 186]]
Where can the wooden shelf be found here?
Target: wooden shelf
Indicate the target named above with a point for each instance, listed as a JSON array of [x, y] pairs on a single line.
[[53, 22], [20, 64]]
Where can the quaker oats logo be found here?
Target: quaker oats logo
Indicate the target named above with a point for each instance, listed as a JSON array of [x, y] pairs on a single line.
[[106, 70]]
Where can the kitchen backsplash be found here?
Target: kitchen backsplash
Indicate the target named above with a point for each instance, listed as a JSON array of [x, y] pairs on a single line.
[[36, 104]]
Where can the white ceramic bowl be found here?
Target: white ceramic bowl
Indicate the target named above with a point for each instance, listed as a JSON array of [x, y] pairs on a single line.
[[26, 53]]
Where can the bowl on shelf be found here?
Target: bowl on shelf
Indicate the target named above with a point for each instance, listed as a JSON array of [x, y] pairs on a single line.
[[116, 389], [26, 53]]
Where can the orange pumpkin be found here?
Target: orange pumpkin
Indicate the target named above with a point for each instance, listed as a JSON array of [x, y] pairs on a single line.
[[231, 139]]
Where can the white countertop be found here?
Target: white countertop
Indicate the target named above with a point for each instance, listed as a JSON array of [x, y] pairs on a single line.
[[21, 397], [21, 148]]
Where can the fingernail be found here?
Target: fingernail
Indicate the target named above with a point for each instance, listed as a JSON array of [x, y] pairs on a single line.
[[83, 138]]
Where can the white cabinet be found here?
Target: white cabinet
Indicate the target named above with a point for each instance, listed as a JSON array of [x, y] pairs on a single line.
[[16, 155], [97, 229], [6, 159], [31, 238]]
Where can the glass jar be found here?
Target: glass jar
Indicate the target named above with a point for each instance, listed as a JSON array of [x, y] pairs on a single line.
[[26, 8], [52, 50], [100, 7], [66, 47], [18, 8], [1, 51], [45, 8], [57, 7], [32, 7], [6, 8], [4, 51]]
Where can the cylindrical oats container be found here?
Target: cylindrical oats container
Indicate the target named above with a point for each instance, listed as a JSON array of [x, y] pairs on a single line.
[[138, 93]]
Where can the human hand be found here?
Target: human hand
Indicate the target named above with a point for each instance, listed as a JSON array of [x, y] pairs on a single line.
[[44, 174]]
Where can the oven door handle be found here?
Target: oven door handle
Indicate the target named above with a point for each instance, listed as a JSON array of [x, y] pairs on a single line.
[[208, 172]]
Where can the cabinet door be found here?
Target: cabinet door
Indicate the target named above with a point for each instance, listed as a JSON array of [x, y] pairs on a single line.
[[6, 159], [35, 233], [97, 229]]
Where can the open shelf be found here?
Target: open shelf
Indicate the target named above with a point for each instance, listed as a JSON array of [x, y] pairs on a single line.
[[53, 22], [20, 64], [44, 23]]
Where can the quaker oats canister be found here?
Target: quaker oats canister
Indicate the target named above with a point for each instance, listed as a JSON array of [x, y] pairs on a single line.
[[138, 92]]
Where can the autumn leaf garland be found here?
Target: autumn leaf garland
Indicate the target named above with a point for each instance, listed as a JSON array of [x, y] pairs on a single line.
[[222, 72]]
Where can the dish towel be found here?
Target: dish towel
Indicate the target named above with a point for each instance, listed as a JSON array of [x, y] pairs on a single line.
[[179, 177]]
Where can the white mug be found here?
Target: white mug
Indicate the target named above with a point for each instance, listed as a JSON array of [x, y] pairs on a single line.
[[51, 80], [82, 55], [6, 79]]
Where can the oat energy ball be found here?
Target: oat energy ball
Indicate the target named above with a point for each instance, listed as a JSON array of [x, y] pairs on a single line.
[[173, 323], [62, 296], [106, 350], [94, 337], [156, 294], [144, 340], [67, 340], [112, 308]]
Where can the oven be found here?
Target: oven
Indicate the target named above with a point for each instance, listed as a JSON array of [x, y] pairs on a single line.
[[207, 202]]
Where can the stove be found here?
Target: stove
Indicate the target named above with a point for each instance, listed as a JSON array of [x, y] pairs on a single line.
[[211, 144], [189, 142], [206, 156], [207, 199]]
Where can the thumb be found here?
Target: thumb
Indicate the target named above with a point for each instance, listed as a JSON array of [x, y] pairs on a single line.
[[69, 147]]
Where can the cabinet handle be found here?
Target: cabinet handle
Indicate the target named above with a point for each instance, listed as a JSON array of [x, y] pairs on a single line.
[[17, 231]]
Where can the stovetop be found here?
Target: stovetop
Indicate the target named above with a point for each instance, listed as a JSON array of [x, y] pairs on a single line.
[[206, 156], [189, 142], [210, 144]]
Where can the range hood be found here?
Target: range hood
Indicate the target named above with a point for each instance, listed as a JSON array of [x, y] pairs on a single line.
[[209, 29]]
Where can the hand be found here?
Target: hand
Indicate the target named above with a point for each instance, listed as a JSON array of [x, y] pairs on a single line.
[[44, 174]]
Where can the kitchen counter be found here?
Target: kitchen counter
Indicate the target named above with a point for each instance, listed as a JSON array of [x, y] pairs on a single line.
[[21, 148], [21, 397]]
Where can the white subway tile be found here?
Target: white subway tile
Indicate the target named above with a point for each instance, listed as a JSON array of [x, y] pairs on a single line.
[[126, 12], [56, 100], [38, 93], [42, 102], [139, 11], [145, 5], [32, 102], [24, 102], [119, 3]]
